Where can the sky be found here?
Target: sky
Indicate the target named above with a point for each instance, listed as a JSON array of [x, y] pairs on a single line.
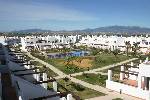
[[72, 14]]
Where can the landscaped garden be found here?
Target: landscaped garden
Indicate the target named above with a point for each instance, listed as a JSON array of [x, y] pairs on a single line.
[[96, 79], [77, 89], [74, 64]]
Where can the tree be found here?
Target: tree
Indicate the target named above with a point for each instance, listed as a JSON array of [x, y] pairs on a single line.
[[135, 47], [115, 52], [79, 59], [94, 51], [128, 46], [67, 60], [85, 75], [65, 49], [66, 79], [70, 59], [71, 45], [106, 51], [83, 47]]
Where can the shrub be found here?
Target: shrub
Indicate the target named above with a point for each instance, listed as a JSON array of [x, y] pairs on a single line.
[[78, 87], [85, 75]]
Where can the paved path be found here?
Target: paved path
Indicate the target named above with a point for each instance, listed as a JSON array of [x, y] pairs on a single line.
[[110, 95], [113, 95], [57, 71], [59, 77]]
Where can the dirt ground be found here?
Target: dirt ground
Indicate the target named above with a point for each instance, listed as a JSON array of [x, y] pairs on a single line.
[[85, 63]]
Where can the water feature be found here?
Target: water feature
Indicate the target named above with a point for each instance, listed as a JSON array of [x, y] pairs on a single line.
[[78, 53]]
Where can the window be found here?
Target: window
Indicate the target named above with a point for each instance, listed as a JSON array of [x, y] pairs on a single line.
[[146, 43]]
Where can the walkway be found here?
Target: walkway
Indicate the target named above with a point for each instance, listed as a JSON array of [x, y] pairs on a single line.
[[110, 95], [57, 71]]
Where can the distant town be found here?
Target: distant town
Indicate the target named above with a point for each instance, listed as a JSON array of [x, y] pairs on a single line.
[[108, 30]]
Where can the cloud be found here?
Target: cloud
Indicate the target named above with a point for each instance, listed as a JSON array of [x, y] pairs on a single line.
[[35, 11]]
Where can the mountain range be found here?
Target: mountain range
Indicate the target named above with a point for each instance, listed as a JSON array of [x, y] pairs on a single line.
[[114, 29]]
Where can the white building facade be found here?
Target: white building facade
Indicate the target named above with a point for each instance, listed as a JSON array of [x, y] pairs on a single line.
[[135, 81]]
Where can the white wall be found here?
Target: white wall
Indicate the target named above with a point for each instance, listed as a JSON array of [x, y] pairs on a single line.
[[144, 69], [2, 40], [126, 89]]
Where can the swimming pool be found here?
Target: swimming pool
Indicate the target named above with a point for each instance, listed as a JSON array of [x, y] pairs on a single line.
[[72, 53]]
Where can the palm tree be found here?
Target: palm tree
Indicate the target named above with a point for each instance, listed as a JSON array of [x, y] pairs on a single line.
[[128, 46], [71, 45], [135, 47]]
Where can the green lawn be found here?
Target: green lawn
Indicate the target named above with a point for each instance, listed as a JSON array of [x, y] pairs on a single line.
[[79, 90], [95, 79], [108, 59]]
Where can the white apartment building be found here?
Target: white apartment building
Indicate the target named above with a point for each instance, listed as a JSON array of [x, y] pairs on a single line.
[[59, 41], [135, 81], [21, 80], [3, 40], [9, 40], [45, 42], [115, 42]]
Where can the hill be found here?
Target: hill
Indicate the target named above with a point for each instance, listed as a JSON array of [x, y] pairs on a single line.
[[114, 29]]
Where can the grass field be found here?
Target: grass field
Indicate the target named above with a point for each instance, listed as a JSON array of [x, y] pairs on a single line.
[[95, 79], [108, 59], [79, 90]]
